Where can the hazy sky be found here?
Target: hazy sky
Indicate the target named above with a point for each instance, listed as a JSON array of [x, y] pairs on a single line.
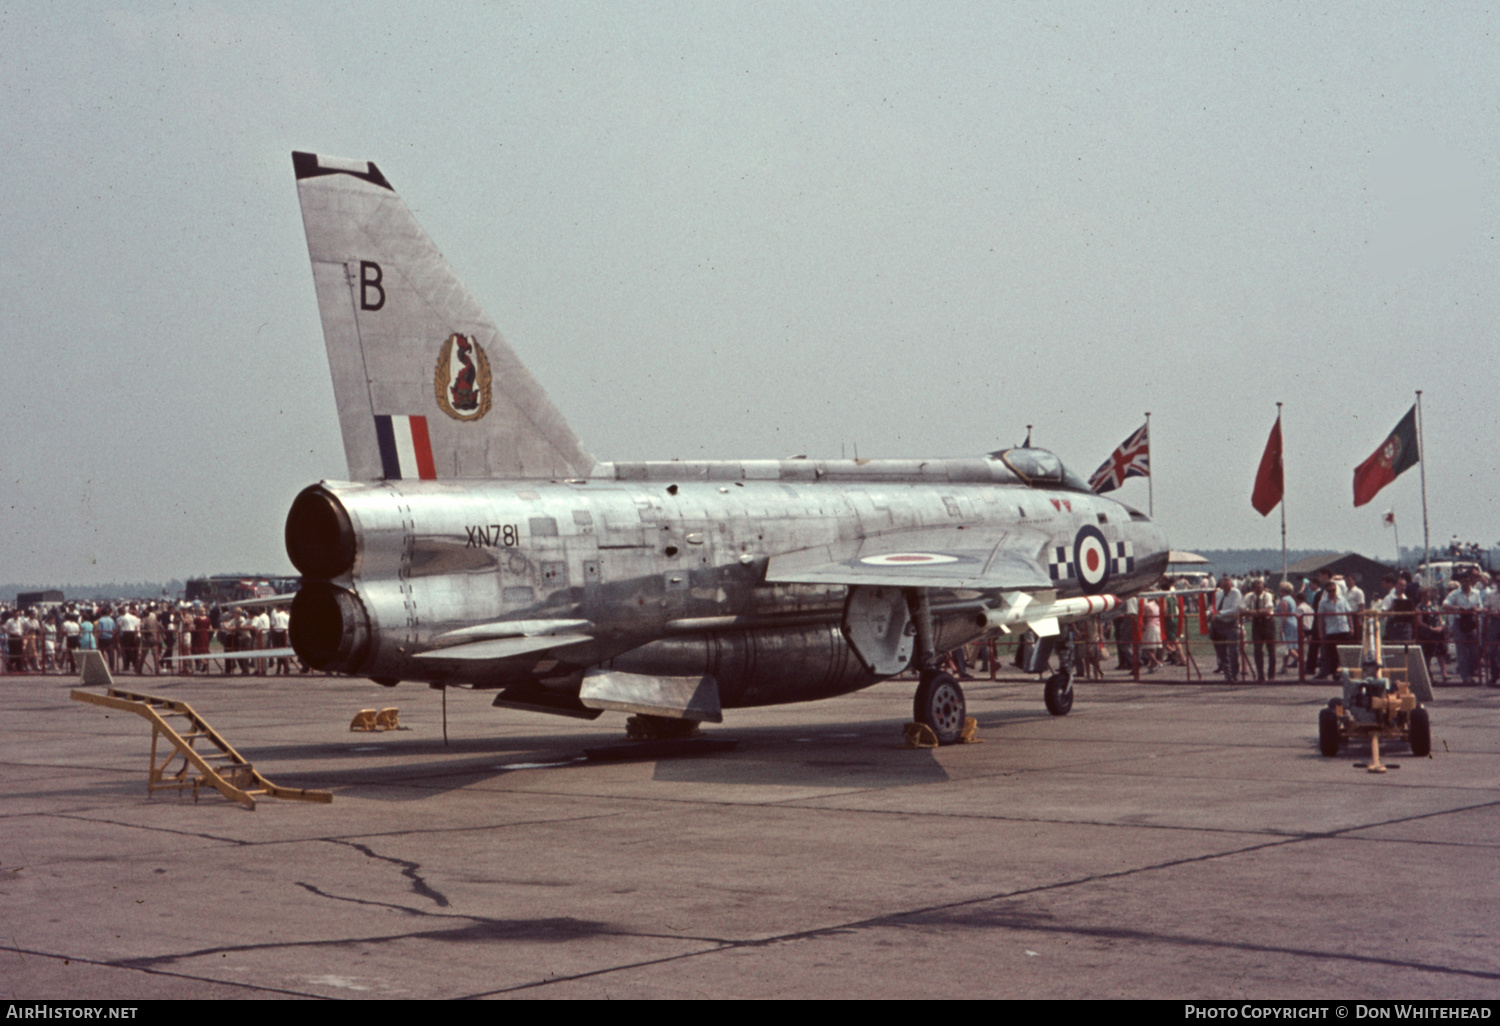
[[720, 230]]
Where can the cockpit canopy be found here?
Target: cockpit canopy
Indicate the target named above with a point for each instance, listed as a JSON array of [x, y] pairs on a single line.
[[1040, 469]]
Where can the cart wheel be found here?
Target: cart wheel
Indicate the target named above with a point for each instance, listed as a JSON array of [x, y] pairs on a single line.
[[1420, 733], [1328, 733]]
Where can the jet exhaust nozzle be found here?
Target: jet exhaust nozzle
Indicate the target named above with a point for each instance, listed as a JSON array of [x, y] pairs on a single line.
[[319, 534], [330, 628]]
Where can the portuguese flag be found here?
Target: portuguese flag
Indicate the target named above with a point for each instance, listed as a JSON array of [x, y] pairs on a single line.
[[1396, 455]]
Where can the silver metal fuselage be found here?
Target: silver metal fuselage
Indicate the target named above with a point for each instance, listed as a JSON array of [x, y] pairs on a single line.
[[484, 546], [661, 566]]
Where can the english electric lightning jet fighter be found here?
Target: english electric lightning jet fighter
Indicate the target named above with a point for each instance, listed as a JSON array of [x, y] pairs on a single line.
[[478, 544]]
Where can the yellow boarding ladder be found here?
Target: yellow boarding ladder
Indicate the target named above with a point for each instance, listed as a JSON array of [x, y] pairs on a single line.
[[225, 769]]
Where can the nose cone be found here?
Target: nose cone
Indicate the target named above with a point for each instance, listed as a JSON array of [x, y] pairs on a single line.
[[1158, 538], [1152, 552]]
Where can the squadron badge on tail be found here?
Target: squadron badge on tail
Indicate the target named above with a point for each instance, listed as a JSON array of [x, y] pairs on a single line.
[[462, 378]]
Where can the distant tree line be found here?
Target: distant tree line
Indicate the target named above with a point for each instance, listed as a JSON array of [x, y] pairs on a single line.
[[98, 592], [1242, 561]]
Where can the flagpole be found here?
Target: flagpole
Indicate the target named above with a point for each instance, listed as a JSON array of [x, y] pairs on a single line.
[[1422, 459], [1150, 477], [1283, 494]]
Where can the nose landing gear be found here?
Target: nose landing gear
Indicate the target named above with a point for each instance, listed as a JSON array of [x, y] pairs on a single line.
[[1059, 693]]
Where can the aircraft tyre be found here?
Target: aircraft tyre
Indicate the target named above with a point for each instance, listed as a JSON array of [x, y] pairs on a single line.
[[1328, 733], [1420, 733], [1059, 693], [940, 704], [642, 727]]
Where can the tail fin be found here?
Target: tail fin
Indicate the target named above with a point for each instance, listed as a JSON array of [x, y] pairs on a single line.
[[425, 385]]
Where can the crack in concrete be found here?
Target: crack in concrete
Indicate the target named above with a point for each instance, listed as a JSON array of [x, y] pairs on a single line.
[[897, 919], [563, 929], [311, 889], [214, 980], [332, 838], [409, 870]]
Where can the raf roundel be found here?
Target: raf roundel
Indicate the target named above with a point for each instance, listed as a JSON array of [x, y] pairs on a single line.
[[1091, 557], [908, 559]]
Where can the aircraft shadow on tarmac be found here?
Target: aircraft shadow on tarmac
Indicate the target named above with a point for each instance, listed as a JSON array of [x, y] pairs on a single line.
[[401, 767]]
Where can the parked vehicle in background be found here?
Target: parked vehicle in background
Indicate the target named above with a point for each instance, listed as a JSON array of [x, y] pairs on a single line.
[[1439, 572], [225, 588]]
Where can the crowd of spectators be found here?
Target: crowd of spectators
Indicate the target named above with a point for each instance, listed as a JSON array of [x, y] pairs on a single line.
[[1289, 629], [1302, 626], [1268, 629], [146, 636]]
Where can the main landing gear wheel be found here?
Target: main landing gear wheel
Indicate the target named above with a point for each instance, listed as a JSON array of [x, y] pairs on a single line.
[[940, 705], [1059, 694], [641, 727]]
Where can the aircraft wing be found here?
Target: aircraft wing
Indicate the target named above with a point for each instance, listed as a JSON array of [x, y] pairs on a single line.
[[948, 557], [248, 653], [270, 601]]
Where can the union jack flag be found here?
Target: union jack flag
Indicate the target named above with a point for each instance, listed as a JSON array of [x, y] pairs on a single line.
[[1131, 459]]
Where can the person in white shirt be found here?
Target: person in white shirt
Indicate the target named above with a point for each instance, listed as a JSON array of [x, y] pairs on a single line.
[[260, 628], [130, 639], [1464, 606], [71, 634], [280, 621], [1354, 595], [1338, 627], [1492, 629], [234, 629], [1387, 593], [1307, 615], [1257, 607], [15, 640], [1225, 629], [1316, 667]]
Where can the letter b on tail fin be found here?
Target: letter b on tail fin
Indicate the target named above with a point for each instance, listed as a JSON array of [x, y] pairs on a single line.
[[426, 387]]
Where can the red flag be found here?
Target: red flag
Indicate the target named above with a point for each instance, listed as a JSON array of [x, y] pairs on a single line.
[[1396, 455], [1268, 484]]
